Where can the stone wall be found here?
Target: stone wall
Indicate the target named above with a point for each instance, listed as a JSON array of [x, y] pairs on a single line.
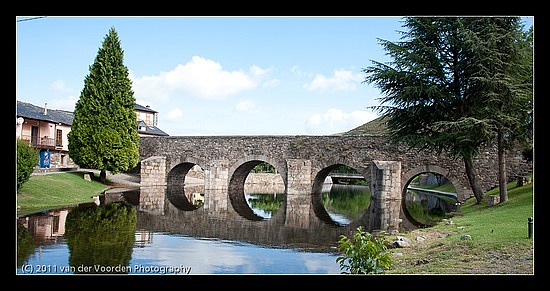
[[324, 151], [153, 171]]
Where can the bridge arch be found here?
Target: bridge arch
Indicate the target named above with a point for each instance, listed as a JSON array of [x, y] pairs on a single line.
[[176, 188], [410, 174], [177, 171], [427, 168], [280, 166], [238, 173], [321, 171], [319, 180]]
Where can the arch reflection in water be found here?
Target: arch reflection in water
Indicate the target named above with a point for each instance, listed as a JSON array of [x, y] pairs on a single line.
[[210, 239], [188, 198], [256, 189], [345, 203], [341, 195], [264, 200], [429, 198]]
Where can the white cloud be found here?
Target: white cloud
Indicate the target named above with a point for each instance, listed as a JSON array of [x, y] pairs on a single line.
[[62, 104], [150, 88], [336, 121], [64, 96], [299, 73], [341, 80], [174, 115], [58, 86], [199, 77], [259, 71], [245, 106], [271, 83]]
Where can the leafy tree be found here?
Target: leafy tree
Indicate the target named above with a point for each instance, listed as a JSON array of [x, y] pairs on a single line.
[[435, 94], [104, 131], [263, 167], [363, 254], [27, 158], [427, 83], [504, 58]]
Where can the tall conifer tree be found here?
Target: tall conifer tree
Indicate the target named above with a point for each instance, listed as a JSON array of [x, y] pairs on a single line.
[[427, 83], [504, 78], [104, 134], [455, 84]]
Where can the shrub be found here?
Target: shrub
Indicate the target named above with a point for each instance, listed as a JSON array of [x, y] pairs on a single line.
[[27, 158], [363, 254]]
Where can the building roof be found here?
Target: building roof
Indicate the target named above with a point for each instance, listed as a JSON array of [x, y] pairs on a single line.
[[143, 128], [27, 110], [30, 111], [144, 108]]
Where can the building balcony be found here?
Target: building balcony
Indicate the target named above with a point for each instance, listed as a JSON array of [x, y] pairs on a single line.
[[41, 142]]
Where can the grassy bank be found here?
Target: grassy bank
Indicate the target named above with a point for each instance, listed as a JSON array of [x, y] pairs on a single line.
[[42, 192], [496, 239]]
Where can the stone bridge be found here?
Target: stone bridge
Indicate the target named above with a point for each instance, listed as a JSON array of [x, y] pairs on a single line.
[[303, 163]]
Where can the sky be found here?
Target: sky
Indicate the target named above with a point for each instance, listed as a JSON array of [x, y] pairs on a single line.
[[217, 75]]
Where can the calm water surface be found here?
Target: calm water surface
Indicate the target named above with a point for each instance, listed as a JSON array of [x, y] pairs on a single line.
[[170, 232], [181, 239]]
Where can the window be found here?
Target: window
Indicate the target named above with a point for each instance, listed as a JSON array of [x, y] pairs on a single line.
[[59, 138]]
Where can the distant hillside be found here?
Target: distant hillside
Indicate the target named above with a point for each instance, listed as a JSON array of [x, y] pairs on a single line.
[[373, 127]]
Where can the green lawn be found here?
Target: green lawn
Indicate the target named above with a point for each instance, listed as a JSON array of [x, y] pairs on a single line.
[[42, 192], [505, 221], [498, 240]]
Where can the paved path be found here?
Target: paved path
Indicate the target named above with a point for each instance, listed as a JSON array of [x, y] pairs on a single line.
[[122, 179], [119, 180]]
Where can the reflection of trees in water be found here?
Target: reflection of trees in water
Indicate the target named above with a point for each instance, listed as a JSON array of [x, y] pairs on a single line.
[[268, 203], [25, 245], [265, 199], [101, 236], [428, 209], [350, 201]]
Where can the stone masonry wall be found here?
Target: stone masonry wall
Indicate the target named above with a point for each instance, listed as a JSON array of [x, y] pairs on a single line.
[[323, 151]]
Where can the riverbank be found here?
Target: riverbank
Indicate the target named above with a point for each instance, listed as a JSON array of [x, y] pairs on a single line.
[[49, 191], [483, 240]]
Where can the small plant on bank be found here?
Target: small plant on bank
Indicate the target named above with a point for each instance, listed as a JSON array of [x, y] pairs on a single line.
[[363, 254]]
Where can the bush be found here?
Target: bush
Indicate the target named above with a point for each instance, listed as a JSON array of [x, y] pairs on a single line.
[[363, 254], [27, 158]]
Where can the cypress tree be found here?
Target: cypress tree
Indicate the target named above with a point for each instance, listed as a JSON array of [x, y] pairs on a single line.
[[104, 134]]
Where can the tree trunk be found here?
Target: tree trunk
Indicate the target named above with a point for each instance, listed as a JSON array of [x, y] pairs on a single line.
[[502, 180], [472, 178], [103, 176]]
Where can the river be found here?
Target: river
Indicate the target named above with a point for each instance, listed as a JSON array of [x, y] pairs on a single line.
[[93, 239], [116, 236]]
